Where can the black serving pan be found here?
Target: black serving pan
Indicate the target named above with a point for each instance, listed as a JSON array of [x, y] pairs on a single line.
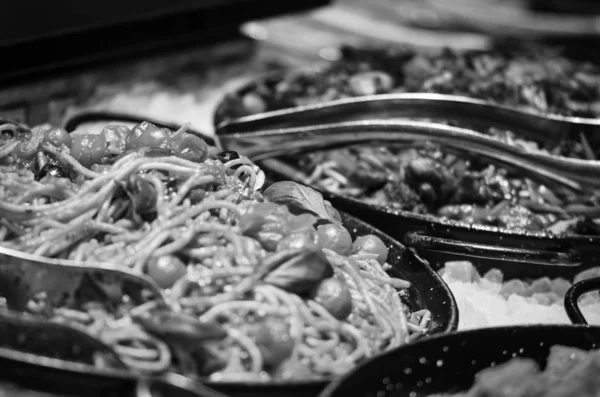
[[437, 238], [33, 346], [521, 253], [449, 363], [427, 291]]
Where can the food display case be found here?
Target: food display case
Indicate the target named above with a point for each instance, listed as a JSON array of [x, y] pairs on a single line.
[[247, 198]]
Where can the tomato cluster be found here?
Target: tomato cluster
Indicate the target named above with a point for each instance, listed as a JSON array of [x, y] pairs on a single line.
[[115, 140], [277, 229]]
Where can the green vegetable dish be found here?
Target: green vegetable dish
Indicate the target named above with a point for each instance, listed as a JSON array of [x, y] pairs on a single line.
[[534, 79]]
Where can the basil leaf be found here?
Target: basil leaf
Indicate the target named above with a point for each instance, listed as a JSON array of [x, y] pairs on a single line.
[[301, 273], [179, 328], [332, 211], [301, 199]]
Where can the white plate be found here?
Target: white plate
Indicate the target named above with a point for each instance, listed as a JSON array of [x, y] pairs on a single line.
[[505, 17]]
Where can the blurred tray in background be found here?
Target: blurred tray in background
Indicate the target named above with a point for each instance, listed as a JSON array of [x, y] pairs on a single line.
[[319, 32], [58, 51], [565, 6]]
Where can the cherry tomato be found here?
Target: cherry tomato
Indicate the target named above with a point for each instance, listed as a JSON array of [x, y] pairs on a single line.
[[88, 149], [273, 339], [335, 238], [189, 147], [334, 296], [27, 149], [58, 137], [133, 139], [371, 244], [155, 138], [165, 270], [253, 103], [116, 138], [296, 241]]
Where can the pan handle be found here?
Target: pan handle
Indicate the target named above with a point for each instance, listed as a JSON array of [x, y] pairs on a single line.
[[550, 258], [70, 123], [572, 297], [172, 385], [143, 388]]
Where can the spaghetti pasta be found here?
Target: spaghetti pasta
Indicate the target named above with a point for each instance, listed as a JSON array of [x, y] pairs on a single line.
[[257, 290]]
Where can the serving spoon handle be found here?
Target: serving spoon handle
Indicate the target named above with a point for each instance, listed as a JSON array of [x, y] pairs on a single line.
[[578, 175], [23, 276], [419, 106]]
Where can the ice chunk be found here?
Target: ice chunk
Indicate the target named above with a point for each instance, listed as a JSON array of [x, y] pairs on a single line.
[[483, 302], [461, 271], [473, 316], [540, 285], [494, 276], [588, 298], [491, 286], [560, 286], [591, 312], [546, 299], [514, 287]]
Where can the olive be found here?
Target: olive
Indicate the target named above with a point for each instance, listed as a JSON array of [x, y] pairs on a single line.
[[228, 155], [52, 170]]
